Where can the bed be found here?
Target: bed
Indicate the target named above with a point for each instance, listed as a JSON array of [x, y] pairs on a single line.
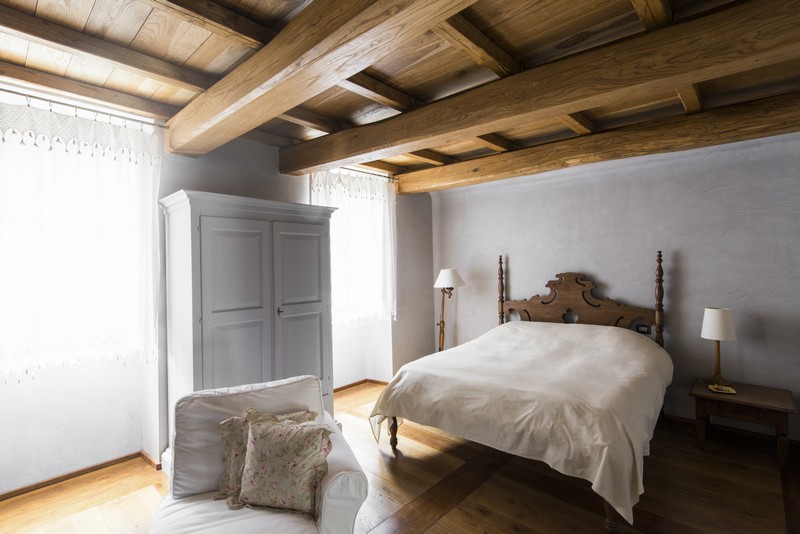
[[574, 383]]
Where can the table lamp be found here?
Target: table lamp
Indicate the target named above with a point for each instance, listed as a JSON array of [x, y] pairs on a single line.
[[718, 325]]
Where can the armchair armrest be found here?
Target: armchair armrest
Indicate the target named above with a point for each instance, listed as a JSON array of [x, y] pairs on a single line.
[[344, 488]]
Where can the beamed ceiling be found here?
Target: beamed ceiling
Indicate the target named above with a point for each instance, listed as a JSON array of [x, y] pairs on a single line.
[[439, 93]]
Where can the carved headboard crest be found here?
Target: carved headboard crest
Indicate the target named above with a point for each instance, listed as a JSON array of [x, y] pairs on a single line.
[[571, 300]]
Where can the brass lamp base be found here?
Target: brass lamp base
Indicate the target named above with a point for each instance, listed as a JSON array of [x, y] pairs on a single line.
[[717, 378]]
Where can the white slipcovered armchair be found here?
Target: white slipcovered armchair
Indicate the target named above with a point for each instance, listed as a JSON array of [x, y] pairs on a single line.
[[196, 465]]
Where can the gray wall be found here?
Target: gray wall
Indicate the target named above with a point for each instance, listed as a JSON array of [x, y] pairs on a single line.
[[727, 219], [414, 280], [243, 168]]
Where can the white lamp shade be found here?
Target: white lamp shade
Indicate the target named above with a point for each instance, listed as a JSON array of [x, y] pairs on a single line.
[[449, 278], [718, 324]]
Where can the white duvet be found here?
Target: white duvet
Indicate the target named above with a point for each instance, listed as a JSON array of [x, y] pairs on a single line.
[[582, 398]]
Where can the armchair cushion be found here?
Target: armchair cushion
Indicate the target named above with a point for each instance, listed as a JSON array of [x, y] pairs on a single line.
[[196, 447]]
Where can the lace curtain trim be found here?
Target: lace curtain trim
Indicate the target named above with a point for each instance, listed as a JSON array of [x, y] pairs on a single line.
[[75, 135], [352, 183]]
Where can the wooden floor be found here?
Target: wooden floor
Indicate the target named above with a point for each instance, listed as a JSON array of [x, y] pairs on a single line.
[[439, 483]]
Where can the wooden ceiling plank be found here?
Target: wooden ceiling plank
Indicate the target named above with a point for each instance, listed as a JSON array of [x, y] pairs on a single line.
[[377, 91], [217, 19], [726, 42], [691, 98], [579, 123], [329, 41], [73, 88], [65, 39], [495, 142], [461, 34], [429, 156], [741, 122], [654, 14]]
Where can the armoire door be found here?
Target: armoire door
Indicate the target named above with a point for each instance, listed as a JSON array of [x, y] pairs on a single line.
[[302, 299], [237, 313]]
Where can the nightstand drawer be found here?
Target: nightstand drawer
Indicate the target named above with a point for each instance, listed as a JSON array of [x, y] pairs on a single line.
[[742, 413]]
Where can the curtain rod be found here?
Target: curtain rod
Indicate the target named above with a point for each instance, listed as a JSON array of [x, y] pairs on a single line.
[[372, 173], [155, 123]]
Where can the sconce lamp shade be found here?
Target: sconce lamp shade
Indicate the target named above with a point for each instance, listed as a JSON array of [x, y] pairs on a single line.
[[449, 278], [718, 325]]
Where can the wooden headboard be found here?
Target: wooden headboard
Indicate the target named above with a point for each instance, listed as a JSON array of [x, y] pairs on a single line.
[[571, 301]]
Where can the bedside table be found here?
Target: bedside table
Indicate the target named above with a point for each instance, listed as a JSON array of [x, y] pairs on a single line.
[[754, 404]]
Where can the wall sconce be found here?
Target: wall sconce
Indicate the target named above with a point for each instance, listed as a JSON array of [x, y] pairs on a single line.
[[718, 325], [448, 279]]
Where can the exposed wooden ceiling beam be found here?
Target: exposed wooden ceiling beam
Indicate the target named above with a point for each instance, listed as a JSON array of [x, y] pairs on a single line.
[[329, 41], [741, 122], [579, 123], [495, 142], [460, 33], [377, 91], [653, 13], [383, 166], [691, 98], [312, 119], [727, 42], [217, 19], [74, 88], [67, 40], [267, 138], [429, 156]]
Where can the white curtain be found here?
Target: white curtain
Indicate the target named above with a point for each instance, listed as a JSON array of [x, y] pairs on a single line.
[[78, 288], [78, 228], [363, 262]]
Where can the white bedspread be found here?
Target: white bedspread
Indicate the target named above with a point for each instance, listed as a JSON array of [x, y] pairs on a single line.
[[582, 398]]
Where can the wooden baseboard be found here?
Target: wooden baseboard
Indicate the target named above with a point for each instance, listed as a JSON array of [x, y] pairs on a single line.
[[154, 464], [360, 382], [79, 472]]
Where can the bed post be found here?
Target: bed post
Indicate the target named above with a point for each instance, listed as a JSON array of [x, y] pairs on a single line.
[[611, 517], [501, 291], [393, 433], [659, 301]]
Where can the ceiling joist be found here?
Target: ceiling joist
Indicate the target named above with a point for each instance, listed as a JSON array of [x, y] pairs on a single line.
[[728, 42], [741, 122], [329, 41], [461, 34]]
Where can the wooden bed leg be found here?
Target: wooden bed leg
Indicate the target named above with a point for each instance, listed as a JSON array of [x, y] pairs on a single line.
[[393, 433], [611, 517]]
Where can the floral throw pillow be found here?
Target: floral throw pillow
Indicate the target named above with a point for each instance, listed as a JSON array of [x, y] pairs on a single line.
[[233, 433], [284, 465]]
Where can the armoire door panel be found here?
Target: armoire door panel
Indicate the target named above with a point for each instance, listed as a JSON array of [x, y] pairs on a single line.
[[298, 263], [237, 315], [228, 343], [300, 337], [234, 263]]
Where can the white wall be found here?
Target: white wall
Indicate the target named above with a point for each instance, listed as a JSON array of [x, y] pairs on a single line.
[[414, 281], [727, 219]]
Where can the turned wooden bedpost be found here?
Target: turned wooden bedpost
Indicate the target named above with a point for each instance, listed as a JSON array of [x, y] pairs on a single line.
[[393, 433], [659, 301], [611, 517], [501, 291]]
